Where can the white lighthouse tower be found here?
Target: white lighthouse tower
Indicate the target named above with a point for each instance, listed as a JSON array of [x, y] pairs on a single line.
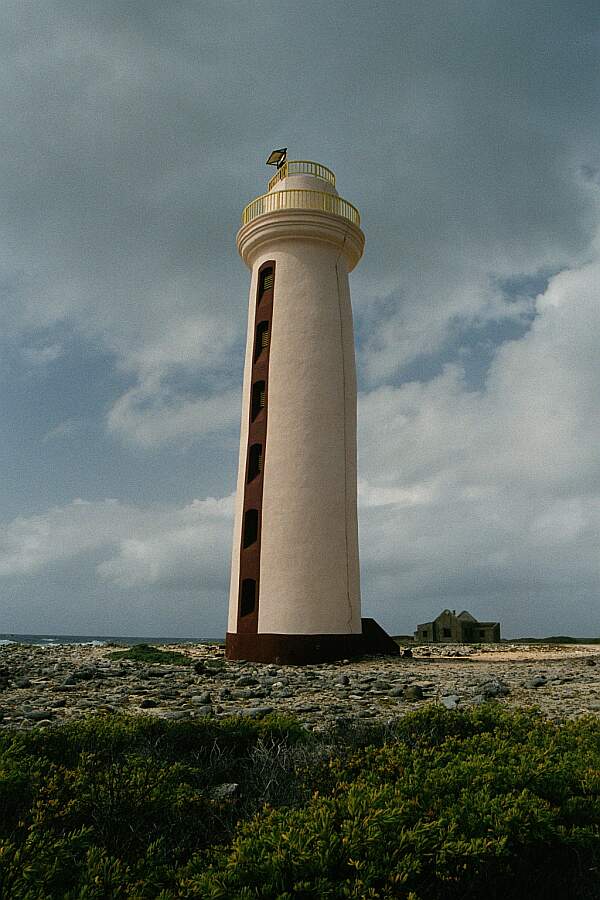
[[295, 592]]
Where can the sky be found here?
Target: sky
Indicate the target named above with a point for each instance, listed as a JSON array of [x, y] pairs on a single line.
[[467, 133]]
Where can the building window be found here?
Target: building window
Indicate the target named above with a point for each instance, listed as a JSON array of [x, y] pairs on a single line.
[[481, 633], [258, 398], [250, 527], [254, 461], [265, 282], [248, 597], [424, 633], [261, 341], [446, 632]]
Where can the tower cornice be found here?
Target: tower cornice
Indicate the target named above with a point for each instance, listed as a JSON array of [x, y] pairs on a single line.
[[300, 224]]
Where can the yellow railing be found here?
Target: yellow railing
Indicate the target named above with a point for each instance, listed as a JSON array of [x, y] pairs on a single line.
[[300, 199], [302, 167]]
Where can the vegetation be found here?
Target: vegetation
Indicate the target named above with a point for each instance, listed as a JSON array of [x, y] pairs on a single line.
[[440, 804], [146, 653], [556, 639]]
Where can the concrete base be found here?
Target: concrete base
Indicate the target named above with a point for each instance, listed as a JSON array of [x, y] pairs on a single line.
[[304, 649]]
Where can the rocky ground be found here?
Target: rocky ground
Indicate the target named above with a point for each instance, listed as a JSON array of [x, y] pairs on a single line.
[[52, 684]]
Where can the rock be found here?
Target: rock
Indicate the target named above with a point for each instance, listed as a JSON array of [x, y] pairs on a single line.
[[590, 662], [225, 694], [199, 667], [148, 703], [39, 715], [224, 791], [86, 674], [407, 653], [495, 688], [536, 682], [201, 699], [413, 692], [57, 704], [22, 683], [450, 701], [155, 672], [203, 711], [255, 712], [246, 680], [343, 679], [177, 714]]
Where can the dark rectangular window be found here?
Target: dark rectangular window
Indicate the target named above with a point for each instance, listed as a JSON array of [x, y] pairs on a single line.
[[261, 341], [248, 597], [258, 398], [265, 283], [447, 632], [250, 527], [254, 461]]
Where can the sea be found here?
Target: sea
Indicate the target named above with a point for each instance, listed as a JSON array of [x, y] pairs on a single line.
[[53, 640]]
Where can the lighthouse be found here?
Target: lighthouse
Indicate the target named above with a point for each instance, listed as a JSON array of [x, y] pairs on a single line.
[[295, 582]]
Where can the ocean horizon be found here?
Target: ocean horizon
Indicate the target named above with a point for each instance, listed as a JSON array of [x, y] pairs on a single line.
[[99, 640]]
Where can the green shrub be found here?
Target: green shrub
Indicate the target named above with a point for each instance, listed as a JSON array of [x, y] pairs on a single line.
[[146, 653], [441, 804]]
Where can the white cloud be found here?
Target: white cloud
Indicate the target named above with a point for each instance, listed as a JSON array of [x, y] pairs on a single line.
[[489, 497], [38, 357], [149, 415], [132, 545]]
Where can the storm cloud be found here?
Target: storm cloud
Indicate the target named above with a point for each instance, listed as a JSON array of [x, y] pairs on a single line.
[[134, 133]]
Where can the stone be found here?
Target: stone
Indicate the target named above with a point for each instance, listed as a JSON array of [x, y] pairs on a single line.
[[413, 692], [39, 715], [407, 653], [255, 712], [343, 679], [224, 791], [536, 682], [450, 701], [495, 688], [201, 699], [22, 682], [590, 662], [246, 680], [202, 711], [148, 703]]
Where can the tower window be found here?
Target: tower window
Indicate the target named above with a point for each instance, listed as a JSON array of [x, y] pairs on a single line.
[[248, 597], [250, 527], [265, 282], [254, 461], [262, 339], [258, 398]]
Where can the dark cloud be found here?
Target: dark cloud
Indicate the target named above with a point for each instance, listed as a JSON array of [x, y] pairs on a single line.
[[467, 134]]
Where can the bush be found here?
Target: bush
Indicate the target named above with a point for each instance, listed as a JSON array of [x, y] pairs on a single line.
[[146, 653], [440, 805]]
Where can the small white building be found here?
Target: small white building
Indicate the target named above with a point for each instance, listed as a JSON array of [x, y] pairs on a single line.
[[462, 628]]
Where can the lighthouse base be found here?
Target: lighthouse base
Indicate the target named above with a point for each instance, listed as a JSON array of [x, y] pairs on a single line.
[[304, 649]]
